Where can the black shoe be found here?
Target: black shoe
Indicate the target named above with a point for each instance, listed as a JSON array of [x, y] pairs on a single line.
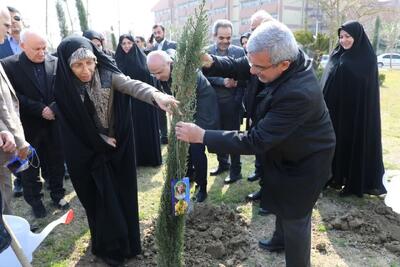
[[18, 191], [62, 204], [219, 170], [264, 212], [254, 196], [164, 140], [201, 196], [66, 177], [39, 210], [271, 246], [254, 177], [232, 178], [112, 261], [5, 238]]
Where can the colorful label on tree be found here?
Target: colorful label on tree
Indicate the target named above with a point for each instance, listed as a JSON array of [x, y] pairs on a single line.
[[180, 195]]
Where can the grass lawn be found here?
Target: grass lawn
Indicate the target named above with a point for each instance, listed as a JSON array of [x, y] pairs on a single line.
[[75, 238]]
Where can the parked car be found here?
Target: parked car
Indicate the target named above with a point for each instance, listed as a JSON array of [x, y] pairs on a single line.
[[384, 59], [324, 60]]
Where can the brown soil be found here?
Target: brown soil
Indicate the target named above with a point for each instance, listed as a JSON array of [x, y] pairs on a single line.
[[346, 232]]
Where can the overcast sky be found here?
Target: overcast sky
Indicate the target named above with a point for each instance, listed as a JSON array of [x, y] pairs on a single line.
[[131, 15]]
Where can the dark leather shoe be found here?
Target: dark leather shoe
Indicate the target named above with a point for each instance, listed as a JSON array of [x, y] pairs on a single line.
[[39, 210], [253, 177], [18, 191], [271, 245], [254, 196], [219, 170], [264, 212], [232, 178], [5, 238], [201, 196]]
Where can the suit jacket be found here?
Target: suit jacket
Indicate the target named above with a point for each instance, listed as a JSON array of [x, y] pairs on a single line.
[[5, 49], [33, 99], [9, 111], [218, 82], [293, 134], [167, 45]]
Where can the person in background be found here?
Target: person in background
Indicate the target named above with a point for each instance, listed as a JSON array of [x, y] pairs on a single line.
[[140, 42], [93, 105], [32, 74], [351, 89], [98, 39], [292, 133], [206, 116], [132, 62], [243, 40], [229, 96]]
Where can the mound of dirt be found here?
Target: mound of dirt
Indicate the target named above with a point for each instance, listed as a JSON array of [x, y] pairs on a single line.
[[371, 226], [214, 236]]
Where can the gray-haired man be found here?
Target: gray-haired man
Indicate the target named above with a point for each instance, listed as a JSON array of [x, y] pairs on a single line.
[[293, 134]]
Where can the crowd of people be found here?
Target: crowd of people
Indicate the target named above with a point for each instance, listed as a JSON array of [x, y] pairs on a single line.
[[94, 115]]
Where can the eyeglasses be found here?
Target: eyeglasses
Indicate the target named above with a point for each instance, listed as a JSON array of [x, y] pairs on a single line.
[[17, 18], [259, 68]]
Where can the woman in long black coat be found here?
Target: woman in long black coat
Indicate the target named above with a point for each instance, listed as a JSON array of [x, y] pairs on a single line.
[[97, 135], [351, 90], [132, 62]]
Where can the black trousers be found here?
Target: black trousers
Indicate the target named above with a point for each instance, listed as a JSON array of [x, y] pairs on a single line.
[[198, 162], [229, 120], [48, 147], [295, 234], [162, 120]]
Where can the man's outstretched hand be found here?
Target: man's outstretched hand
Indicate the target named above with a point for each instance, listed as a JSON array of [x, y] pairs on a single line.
[[189, 132]]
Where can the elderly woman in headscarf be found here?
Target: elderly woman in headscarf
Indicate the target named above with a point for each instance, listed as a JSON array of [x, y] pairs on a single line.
[[351, 90], [132, 62], [94, 109]]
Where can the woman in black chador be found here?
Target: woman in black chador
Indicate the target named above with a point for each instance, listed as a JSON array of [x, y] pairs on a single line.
[[97, 134], [351, 89], [132, 62]]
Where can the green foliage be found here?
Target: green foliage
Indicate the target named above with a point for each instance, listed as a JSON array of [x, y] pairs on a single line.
[[83, 21], [303, 37], [375, 41], [62, 23], [321, 43], [170, 228], [382, 78]]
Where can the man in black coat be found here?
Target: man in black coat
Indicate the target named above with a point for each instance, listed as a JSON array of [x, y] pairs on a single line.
[[206, 116], [293, 134], [161, 44], [32, 74]]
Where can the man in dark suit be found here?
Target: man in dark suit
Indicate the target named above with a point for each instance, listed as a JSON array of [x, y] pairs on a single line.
[[160, 65], [229, 97], [161, 44], [32, 74], [11, 43], [293, 134]]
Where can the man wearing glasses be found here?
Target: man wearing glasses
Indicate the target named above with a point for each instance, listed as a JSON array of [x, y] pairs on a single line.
[[292, 133], [11, 43]]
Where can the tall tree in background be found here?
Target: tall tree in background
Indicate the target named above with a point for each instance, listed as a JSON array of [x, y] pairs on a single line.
[[170, 228], [64, 32], [113, 39], [69, 15], [83, 21], [375, 41]]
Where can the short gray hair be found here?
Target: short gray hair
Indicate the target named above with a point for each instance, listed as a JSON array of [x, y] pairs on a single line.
[[221, 23], [24, 35], [261, 15], [79, 54], [166, 58], [276, 40]]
